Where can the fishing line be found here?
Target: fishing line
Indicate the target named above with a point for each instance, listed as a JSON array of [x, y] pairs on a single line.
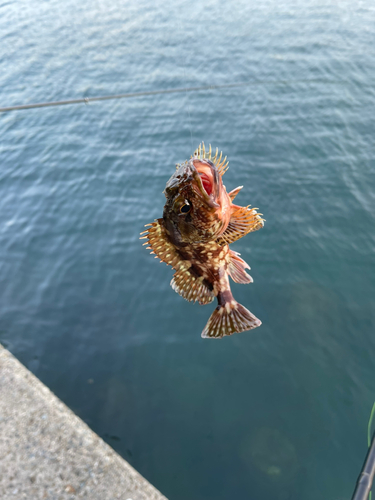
[[188, 109], [187, 94], [206, 88]]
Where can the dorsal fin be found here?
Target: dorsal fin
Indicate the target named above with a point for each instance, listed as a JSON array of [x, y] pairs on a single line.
[[203, 154], [236, 268], [191, 288], [243, 220], [234, 192]]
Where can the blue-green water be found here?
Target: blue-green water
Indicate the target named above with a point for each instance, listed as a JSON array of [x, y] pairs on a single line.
[[278, 413]]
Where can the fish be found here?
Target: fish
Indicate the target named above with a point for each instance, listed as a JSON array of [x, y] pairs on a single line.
[[199, 223]]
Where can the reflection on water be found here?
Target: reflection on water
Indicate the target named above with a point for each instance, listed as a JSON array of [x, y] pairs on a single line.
[[273, 454], [275, 459]]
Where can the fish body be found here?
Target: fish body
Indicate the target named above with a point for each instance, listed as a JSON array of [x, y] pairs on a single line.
[[199, 222]]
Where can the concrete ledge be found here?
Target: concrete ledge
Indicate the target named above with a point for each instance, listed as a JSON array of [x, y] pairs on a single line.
[[48, 453]]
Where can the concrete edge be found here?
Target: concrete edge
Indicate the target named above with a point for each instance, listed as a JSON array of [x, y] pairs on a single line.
[[47, 452]]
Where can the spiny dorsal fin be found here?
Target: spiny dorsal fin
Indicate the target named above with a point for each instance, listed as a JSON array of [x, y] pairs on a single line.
[[202, 154], [160, 245], [191, 288], [236, 268], [243, 220], [234, 192], [229, 318]]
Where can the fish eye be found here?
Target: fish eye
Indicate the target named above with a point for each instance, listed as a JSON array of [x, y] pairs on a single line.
[[185, 208]]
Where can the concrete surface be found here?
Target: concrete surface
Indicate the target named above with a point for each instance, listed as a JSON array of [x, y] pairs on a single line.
[[48, 453]]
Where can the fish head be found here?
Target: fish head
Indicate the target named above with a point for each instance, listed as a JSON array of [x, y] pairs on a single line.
[[198, 206]]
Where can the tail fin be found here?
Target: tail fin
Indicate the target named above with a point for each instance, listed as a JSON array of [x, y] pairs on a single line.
[[229, 318]]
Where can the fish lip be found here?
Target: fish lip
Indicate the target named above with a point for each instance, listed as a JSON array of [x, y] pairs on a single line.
[[208, 198]]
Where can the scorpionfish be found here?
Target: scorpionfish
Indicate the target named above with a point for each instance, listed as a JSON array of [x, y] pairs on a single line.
[[199, 223]]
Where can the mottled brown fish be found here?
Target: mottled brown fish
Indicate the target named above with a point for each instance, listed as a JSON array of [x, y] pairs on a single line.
[[199, 222]]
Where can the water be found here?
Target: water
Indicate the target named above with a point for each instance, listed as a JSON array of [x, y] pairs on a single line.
[[276, 413]]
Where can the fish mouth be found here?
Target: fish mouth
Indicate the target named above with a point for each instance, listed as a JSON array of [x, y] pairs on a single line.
[[206, 179], [207, 182]]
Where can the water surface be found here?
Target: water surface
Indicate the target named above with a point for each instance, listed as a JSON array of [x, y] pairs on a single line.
[[276, 413]]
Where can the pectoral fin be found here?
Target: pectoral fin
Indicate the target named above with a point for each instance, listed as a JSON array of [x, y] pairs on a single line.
[[160, 244], [243, 220], [186, 281]]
